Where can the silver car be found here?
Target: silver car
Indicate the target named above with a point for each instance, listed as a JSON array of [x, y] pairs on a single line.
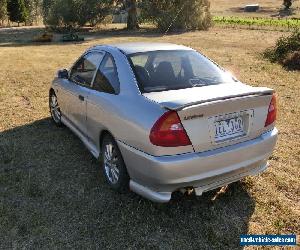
[[163, 117]]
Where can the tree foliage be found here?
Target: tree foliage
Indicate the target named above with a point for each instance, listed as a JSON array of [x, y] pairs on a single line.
[[46, 7], [33, 8], [74, 13], [17, 11], [177, 14], [3, 10], [166, 14]]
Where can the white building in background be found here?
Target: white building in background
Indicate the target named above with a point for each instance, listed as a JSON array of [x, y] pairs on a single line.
[[121, 17]]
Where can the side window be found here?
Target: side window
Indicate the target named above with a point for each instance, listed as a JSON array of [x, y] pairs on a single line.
[[107, 79], [84, 70]]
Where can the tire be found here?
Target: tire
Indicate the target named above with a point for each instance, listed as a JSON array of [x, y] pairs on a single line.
[[54, 109], [113, 166]]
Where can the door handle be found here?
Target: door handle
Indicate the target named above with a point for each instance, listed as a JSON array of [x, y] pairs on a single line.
[[81, 98]]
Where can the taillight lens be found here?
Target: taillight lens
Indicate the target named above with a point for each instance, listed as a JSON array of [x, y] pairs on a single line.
[[169, 132], [272, 111]]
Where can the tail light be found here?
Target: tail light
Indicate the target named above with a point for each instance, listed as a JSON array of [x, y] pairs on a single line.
[[271, 118], [169, 132]]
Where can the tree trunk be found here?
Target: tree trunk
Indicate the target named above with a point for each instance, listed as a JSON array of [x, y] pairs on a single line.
[[287, 4], [132, 21]]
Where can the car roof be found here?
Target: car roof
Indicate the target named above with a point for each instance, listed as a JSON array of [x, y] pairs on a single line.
[[138, 47]]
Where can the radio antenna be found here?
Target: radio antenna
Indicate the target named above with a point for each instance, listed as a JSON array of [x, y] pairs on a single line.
[[172, 22]]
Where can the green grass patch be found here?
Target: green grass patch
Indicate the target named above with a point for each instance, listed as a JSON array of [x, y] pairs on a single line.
[[257, 22]]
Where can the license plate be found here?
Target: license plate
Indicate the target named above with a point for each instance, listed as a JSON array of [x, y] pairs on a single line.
[[229, 128]]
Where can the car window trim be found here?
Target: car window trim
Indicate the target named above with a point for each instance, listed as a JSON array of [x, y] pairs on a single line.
[[97, 67], [106, 54]]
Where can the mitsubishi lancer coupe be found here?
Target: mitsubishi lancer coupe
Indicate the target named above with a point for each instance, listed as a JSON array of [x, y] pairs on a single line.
[[164, 117]]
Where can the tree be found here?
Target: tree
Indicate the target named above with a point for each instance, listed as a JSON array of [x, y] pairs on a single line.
[[17, 11], [74, 13], [33, 9], [287, 4], [132, 20], [177, 14], [37, 7], [3, 10], [46, 7], [93, 11]]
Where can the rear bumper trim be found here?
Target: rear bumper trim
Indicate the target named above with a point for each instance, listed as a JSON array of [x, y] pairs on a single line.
[[154, 196], [157, 177], [164, 197], [226, 181]]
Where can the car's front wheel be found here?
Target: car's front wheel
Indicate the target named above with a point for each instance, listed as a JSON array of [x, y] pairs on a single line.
[[114, 168], [54, 108]]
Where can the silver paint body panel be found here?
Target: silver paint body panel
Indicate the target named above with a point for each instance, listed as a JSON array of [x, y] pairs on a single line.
[[165, 173], [156, 172]]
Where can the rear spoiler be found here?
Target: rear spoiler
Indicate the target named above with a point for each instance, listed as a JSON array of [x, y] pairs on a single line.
[[178, 106]]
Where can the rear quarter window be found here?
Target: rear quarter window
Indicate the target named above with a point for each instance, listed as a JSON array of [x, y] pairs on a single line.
[[106, 79]]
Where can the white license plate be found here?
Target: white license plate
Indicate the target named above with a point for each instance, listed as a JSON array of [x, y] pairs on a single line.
[[229, 128]]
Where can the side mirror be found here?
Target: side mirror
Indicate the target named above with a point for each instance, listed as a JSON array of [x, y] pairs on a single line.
[[63, 73]]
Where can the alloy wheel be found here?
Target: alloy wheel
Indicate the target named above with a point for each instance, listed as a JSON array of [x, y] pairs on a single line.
[[54, 108], [111, 163]]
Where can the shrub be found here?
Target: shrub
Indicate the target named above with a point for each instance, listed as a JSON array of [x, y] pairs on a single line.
[[177, 14], [292, 61], [74, 13], [61, 13], [286, 50]]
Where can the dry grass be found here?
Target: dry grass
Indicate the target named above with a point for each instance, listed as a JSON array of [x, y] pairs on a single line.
[[268, 7], [52, 193]]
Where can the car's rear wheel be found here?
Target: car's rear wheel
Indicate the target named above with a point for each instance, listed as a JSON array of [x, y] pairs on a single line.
[[54, 108], [114, 168]]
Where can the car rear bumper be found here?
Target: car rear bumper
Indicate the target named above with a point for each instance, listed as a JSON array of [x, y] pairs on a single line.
[[157, 177]]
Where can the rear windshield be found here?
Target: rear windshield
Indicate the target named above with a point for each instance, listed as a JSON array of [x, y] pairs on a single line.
[[167, 70]]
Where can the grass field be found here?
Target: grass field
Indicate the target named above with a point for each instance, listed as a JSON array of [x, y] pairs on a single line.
[[52, 194]]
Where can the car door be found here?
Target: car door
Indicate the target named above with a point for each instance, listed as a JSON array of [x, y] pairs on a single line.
[[78, 89], [103, 99]]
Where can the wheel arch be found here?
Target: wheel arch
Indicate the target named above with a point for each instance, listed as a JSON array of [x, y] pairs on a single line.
[[102, 135], [51, 90]]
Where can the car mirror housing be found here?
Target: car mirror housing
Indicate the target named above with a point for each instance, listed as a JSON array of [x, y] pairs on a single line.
[[63, 73]]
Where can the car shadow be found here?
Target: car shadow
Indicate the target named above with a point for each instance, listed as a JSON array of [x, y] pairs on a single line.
[[54, 195]]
